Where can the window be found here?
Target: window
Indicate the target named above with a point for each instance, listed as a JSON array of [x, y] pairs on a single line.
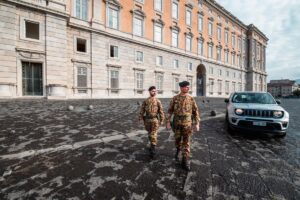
[[233, 41], [227, 87], [239, 61], [211, 86], [220, 72], [139, 80], [226, 56], [81, 45], [210, 51], [139, 56], [81, 8], [158, 5], [138, 26], [200, 47], [240, 86], [219, 86], [114, 79], [175, 64], [190, 66], [141, 1], [32, 30], [219, 33], [210, 28], [175, 10], [176, 84], [157, 32], [219, 54], [233, 59], [81, 77], [188, 43], [159, 60], [233, 74], [211, 70], [159, 82], [188, 17], [227, 73], [226, 37], [200, 3], [175, 38], [200, 23], [113, 18], [233, 87], [240, 43], [114, 51]]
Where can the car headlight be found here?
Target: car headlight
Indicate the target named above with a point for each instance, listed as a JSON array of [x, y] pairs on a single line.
[[277, 114], [239, 111]]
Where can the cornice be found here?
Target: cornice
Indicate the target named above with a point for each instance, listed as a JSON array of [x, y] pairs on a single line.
[[189, 5], [114, 2], [175, 28], [138, 12], [39, 8], [159, 21], [251, 27]]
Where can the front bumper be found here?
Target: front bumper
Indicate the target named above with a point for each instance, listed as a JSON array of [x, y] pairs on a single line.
[[275, 126]]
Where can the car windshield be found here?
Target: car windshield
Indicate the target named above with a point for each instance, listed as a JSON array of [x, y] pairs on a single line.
[[261, 98]]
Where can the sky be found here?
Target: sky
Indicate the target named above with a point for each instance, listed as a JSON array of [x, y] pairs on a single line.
[[279, 20]]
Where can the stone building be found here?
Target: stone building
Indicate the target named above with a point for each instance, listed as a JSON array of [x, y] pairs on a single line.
[[118, 48], [282, 88]]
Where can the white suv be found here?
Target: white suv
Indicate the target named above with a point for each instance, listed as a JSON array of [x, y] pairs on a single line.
[[256, 111]]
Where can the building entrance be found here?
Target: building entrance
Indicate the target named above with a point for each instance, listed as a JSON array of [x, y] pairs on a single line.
[[32, 79]]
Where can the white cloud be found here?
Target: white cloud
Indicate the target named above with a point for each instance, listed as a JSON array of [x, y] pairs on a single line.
[[280, 21]]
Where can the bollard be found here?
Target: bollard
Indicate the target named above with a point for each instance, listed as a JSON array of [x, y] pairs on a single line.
[[70, 107], [213, 113]]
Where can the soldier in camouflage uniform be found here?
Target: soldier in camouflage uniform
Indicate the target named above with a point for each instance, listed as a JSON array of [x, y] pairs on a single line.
[[152, 114], [185, 111]]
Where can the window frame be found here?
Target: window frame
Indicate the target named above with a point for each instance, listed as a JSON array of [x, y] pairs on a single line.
[[114, 8], [161, 33], [136, 56], [118, 51]]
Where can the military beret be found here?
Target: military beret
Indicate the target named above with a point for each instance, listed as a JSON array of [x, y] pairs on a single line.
[[184, 84]]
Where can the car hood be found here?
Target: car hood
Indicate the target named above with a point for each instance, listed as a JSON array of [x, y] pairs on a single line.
[[258, 106]]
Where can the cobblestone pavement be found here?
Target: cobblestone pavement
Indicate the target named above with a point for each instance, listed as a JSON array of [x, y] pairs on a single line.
[[48, 152]]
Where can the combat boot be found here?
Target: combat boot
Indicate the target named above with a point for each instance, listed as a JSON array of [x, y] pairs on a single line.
[[152, 151], [177, 154], [185, 164]]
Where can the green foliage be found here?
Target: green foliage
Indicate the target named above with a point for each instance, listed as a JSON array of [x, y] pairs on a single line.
[[296, 93]]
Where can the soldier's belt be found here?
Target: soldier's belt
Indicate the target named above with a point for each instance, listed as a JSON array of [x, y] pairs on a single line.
[[150, 117], [182, 117]]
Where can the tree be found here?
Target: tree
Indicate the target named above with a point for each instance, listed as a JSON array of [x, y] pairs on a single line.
[[296, 93]]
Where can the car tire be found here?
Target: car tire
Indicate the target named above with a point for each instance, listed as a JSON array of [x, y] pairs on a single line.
[[229, 129]]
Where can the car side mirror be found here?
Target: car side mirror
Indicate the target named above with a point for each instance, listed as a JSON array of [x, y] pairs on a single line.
[[226, 100], [278, 101]]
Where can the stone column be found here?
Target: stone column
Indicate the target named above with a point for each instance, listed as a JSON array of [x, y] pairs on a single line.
[[56, 60], [8, 31]]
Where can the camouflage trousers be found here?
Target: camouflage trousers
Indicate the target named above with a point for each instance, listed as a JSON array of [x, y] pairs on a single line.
[[183, 133], [152, 126]]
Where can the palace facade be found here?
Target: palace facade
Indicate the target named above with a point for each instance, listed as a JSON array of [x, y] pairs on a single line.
[[118, 48]]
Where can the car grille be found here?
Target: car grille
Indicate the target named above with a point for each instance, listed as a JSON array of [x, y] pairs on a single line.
[[258, 113]]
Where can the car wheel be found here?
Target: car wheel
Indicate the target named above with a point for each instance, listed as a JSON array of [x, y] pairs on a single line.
[[229, 129]]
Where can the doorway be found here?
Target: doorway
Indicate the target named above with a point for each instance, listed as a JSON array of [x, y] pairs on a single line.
[[32, 79]]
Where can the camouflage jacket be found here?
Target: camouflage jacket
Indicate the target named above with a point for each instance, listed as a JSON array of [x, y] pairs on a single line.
[[152, 107], [184, 107]]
